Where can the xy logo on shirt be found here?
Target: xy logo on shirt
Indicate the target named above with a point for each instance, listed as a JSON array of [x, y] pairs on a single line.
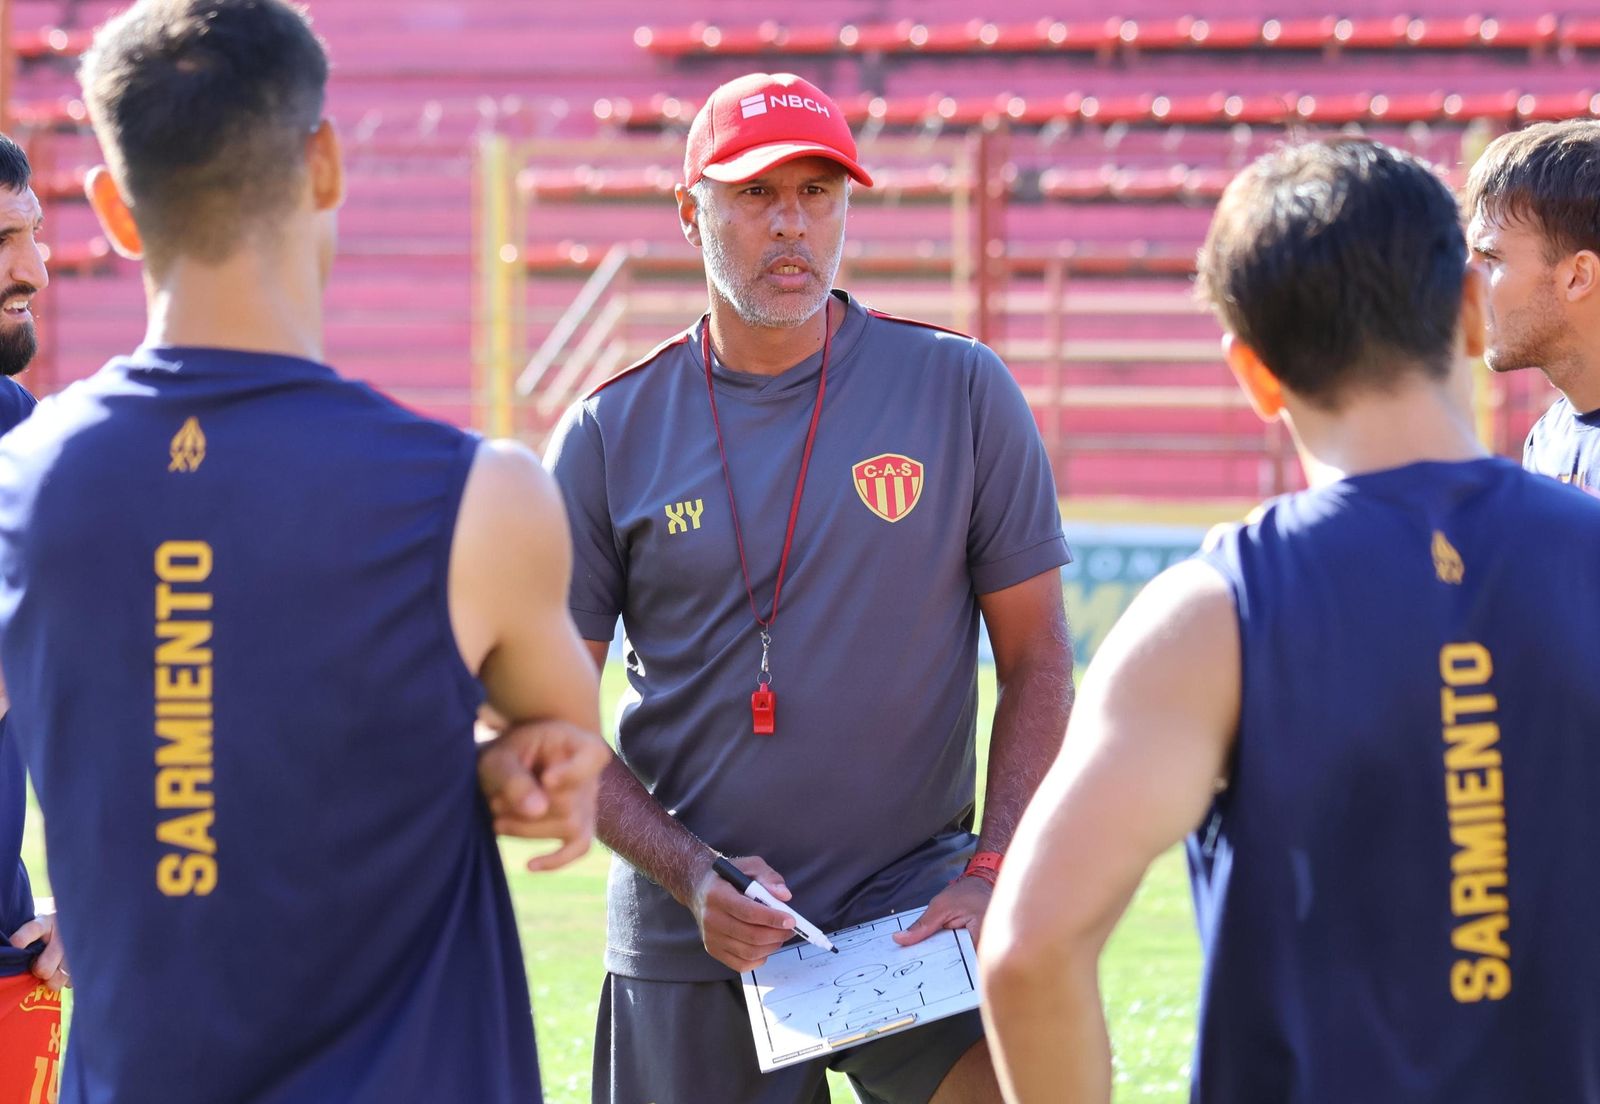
[[680, 515], [889, 484]]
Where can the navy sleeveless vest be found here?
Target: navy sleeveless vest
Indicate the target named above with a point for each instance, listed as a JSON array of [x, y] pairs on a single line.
[[1396, 893], [225, 631]]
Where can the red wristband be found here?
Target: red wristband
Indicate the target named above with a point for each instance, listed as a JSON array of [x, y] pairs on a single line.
[[985, 865]]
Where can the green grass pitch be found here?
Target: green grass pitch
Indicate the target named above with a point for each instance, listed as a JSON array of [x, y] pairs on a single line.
[[1149, 977]]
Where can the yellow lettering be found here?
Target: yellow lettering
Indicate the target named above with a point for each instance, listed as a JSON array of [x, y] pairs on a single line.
[[182, 643], [1470, 893], [179, 788], [1453, 706], [169, 601], [1465, 664], [1474, 787], [183, 561], [1483, 847], [191, 832], [172, 708], [190, 745], [1482, 936], [1471, 982], [1472, 746], [183, 875], [183, 682]]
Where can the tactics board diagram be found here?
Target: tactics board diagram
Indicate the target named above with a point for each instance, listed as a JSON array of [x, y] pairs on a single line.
[[805, 1002]]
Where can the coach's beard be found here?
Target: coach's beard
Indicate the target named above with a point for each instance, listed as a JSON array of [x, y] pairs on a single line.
[[18, 344]]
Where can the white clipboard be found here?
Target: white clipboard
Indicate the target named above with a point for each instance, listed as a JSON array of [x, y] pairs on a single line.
[[805, 1002]]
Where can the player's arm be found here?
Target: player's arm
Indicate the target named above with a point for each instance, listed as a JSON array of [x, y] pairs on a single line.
[[509, 568], [1033, 674], [1149, 739], [736, 931]]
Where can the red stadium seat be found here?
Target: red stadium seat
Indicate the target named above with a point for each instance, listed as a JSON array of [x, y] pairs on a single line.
[[1261, 109], [1334, 110], [1519, 32], [876, 37], [1481, 105], [814, 39], [1580, 32], [1226, 34], [1372, 34], [1076, 184], [1206, 184], [54, 113], [1158, 34], [1147, 185], [1554, 106], [1117, 109], [904, 110], [1299, 34], [1408, 107], [50, 42], [1193, 109], [1444, 33], [1081, 37]]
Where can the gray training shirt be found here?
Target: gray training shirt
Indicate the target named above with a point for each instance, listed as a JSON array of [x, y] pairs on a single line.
[[869, 777]]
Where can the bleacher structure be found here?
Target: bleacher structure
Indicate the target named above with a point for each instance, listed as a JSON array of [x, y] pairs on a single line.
[[1046, 174]]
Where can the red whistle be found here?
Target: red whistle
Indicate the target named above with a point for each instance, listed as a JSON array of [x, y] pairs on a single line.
[[763, 710]]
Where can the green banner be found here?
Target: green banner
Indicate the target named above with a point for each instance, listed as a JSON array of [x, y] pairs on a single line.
[[1110, 564]]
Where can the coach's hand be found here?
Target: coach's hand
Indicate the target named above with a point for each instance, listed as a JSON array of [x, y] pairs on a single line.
[[541, 780], [51, 965], [738, 932], [961, 904]]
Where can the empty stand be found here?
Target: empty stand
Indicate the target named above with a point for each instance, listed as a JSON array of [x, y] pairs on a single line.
[[1109, 140]]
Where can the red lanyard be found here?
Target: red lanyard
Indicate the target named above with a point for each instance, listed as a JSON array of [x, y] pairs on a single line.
[[763, 703]]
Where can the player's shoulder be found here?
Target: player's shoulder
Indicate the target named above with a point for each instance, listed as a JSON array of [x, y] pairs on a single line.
[[16, 403]]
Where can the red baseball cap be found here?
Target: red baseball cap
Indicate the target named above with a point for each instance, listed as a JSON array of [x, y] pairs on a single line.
[[761, 120]]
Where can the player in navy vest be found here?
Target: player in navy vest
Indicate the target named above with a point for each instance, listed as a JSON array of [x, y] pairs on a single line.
[[1372, 708], [1534, 201], [248, 612], [30, 1015]]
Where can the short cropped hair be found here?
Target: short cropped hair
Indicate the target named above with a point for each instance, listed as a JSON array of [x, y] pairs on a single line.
[[203, 108], [1547, 177], [15, 172], [1333, 258]]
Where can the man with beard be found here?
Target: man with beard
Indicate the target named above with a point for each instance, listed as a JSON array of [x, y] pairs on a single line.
[[1534, 202], [30, 1014], [799, 507]]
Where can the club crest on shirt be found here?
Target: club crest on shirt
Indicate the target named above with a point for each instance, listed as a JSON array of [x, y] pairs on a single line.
[[188, 447], [889, 484]]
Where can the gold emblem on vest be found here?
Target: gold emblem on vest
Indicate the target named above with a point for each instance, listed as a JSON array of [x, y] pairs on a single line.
[[1446, 560], [188, 448]]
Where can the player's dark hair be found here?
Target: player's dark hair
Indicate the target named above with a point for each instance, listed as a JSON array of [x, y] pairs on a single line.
[[1546, 176], [15, 172], [1334, 259], [204, 107]]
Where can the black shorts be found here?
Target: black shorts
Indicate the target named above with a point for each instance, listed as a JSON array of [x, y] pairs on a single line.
[[680, 1042]]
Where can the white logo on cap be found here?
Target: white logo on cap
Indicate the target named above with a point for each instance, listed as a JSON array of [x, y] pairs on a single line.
[[753, 105]]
